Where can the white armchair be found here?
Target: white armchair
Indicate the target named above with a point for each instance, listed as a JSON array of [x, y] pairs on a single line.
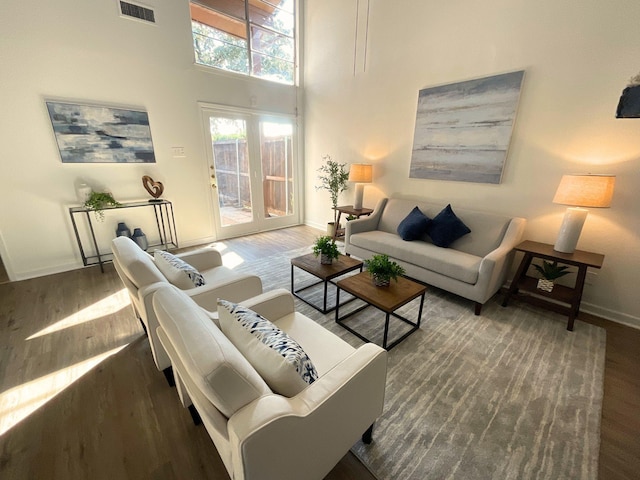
[[260, 434], [140, 275]]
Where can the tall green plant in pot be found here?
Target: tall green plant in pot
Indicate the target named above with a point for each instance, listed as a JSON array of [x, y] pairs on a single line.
[[333, 178]]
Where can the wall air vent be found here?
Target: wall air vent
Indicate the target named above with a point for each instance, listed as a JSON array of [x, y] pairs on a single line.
[[137, 12]]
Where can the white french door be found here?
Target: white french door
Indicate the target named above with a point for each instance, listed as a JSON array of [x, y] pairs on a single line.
[[252, 170]]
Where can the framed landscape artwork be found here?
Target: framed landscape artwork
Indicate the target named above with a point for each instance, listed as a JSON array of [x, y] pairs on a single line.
[[463, 129], [97, 134]]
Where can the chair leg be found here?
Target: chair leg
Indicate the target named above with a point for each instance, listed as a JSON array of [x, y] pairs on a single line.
[[367, 437], [168, 374], [478, 308], [195, 416], [144, 327]]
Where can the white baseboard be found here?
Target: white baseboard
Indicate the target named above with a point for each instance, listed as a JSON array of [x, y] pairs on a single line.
[[607, 314]]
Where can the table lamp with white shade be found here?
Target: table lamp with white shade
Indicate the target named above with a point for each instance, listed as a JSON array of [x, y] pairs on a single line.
[[360, 173], [580, 191]]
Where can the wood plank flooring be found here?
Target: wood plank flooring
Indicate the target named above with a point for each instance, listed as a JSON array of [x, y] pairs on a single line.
[[80, 396]]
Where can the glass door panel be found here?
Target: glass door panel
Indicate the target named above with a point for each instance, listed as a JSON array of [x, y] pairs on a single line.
[[277, 168]]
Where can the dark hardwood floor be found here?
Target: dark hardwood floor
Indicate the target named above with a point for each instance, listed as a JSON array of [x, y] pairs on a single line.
[[80, 396]]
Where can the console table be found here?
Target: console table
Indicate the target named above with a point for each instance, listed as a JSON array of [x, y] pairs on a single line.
[[163, 211], [561, 299]]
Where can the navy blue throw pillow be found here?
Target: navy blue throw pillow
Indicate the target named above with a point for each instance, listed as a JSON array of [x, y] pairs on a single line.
[[414, 225], [446, 228]]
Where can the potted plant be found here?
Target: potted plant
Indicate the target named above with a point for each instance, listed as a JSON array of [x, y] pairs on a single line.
[[98, 201], [383, 270], [550, 271], [327, 249], [333, 178]]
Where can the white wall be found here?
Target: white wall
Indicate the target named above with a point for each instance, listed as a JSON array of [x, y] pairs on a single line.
[[578, 57], [84, 51]]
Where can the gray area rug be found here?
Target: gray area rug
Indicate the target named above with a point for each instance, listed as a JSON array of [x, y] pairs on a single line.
[[510, 394]]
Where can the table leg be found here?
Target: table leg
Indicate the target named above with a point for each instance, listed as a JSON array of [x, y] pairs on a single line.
[[520, 273], [386, 330], [577, 296], [337, 303]]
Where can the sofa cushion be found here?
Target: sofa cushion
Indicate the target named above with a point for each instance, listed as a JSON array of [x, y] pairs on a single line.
[[177, 271], [214, 364], [446, 228], [277, 357], [414, 225], [449, 262]]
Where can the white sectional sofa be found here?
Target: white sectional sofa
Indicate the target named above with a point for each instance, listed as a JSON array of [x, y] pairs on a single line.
[[262, 434], [474, 266]]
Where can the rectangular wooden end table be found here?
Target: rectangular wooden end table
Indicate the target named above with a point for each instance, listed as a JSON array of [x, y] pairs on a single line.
[[326, 273], [388, 299], [561, 299]]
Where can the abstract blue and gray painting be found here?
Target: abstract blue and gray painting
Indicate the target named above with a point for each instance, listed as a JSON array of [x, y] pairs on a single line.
[[97, 134], [463, 129]]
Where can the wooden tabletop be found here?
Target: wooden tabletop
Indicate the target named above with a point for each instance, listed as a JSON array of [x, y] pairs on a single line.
[[578, 257], [349, 210], [311, 264], [386, 299]]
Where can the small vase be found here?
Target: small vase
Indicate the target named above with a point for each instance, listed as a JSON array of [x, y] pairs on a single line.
[[381, 281], [325, 259], [140, 238], [83, 192], [123, 230], [545, 285]]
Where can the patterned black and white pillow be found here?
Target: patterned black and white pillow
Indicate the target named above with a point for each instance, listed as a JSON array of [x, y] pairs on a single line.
[[177, 271], [277, 357]]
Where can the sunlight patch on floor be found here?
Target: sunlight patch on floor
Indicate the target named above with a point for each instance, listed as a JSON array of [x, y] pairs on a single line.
[[107, 306], [19, 402], [232, 260]]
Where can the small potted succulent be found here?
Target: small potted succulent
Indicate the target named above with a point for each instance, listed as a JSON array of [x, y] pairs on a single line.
[[98, 201], [383, 270], [327, 249], [550, 271]]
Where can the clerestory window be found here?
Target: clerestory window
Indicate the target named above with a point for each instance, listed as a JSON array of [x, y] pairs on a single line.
[[251, 37]]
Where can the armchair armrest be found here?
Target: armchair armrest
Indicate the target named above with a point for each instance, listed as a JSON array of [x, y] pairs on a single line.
[[272, 305], [202, 259], [275, 437], [236, 289]]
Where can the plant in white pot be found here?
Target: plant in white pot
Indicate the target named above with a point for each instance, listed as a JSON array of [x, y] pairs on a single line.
[[327, 249], [333, 178], [383, 270], [550, 271]]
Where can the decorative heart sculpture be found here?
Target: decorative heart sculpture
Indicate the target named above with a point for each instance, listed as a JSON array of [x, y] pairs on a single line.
[[155, 189]]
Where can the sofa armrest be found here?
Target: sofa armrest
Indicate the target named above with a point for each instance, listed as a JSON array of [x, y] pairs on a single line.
[[202, 259], [364, 224], [275, 437], [493, 267]]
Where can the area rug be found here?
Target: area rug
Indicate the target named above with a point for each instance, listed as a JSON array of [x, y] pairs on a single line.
[[509, 394]]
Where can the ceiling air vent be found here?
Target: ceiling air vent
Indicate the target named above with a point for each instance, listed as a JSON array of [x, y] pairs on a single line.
[[138, 12]]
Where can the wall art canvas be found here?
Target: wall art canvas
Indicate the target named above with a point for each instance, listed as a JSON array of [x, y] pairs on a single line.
[[98, 134], [463, 129]]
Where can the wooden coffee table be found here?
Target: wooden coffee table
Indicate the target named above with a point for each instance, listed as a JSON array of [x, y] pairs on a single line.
[[326, 273], [388, 299]]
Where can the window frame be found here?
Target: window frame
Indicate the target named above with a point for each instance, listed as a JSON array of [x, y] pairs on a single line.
[[250, 51]]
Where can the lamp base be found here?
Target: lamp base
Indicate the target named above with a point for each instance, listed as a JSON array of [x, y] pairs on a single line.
[[570, 230], [357, 201]]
